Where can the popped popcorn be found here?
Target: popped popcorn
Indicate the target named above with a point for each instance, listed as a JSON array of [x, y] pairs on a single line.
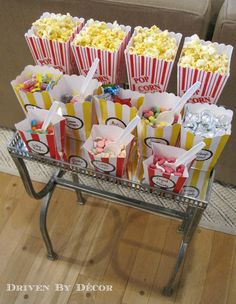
[[195, 54], [154, 42], [101, 36], [56, 27]]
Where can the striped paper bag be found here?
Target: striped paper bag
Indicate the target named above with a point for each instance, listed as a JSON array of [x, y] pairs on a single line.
[[207, 158], [197, 184], [115, 114], [40, 100], [111, 64], [75, 155], [52, 52], [146, 73], [79, 115], [212, 84], [164, 180], [116, 166], [147, 135], [51, 145]]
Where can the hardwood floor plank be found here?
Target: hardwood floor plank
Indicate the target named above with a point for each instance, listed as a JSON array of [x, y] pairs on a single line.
[[195, 268], [219, 269], [232, 285]]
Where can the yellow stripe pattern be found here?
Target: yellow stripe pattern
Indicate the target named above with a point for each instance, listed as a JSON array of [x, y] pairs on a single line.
[[87, 108], [46, 100]]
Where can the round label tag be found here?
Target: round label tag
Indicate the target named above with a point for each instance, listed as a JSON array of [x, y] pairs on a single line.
[[204, 155], [149, 140], [113, 121], [74, 123], [163, 182], [191, 191], [103, 166], [78, 161], [38, 147], [30, 106]]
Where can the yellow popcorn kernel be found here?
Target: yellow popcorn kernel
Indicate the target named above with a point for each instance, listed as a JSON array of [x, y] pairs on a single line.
[[153, 42], [205, 57], [56, 27], [99, 35]]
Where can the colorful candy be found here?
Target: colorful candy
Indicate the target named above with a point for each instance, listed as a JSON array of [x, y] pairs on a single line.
[[38, 83], [165, 162], [154, 42], [203, 56], [56, 27], [150, 116], [101, 35], [36, 127], [99, 145]]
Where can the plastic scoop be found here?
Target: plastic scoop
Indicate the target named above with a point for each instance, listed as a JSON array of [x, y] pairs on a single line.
[[168, 116], [52, 111], [188, 155], [87, 80], [115, 146]]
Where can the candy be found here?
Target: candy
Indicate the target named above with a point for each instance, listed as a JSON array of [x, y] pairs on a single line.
[[196, 54], [99, 145], [111, 89], [36, 127], [164, 163], [56, 27], [154, 42], [38, 83], [66, 98], [101, 36], [206, 123], [151, 115], [126, 101]]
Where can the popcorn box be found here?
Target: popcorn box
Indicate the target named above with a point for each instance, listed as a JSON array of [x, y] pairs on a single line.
[[28, 100], [79, 115], [197, 184], [75, 155], [146, 73], [110, 113], [163, 180], [110, 165], [52, 52], [51, 145], [206, 159], [111, 64], [147, 135], [212, 84]]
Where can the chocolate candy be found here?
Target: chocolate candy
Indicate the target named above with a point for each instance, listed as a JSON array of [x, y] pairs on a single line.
[[111, 89], [164, 163], [206, 123], [66, 98], [99, 145]]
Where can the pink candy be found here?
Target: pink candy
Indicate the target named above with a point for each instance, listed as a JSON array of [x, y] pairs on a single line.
[[163, 162]]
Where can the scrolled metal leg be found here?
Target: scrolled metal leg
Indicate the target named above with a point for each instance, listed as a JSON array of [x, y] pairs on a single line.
[[190, 226], [24, 174], [43, 226], [80, 198]]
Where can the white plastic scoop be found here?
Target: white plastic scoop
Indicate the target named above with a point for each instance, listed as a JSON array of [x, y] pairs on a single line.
[[115, 146], [52, 111], [87, 80], [188, 155], [168, 116]]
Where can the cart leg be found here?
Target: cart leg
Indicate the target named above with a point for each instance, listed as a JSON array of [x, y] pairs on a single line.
[[43, 226], [189, 229], [80, 198]]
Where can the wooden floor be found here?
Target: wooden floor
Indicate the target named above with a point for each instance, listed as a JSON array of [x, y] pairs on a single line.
[[103, 243]]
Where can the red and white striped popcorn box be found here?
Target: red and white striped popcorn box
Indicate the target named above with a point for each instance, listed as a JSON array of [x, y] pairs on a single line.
[[79, 115], [116, 114], [116, 166], [207, 158], [146, 73], [111, 64], [212, 84], [52, 52], [75, 155], [163, 180], [51, 145], [167, 135], [28, 100]]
